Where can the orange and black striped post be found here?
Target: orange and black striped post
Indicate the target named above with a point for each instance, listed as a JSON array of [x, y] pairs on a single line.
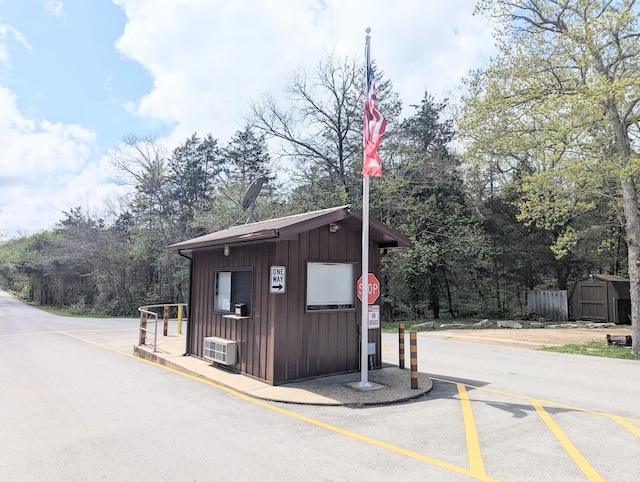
[[166, 320], [401, 344], [413, 347], [143, 327]]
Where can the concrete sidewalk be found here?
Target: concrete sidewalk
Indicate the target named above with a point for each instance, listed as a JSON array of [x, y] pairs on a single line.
[[389, 384]]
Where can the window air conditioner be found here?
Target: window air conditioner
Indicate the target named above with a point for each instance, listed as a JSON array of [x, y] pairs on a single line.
[[220, 350]]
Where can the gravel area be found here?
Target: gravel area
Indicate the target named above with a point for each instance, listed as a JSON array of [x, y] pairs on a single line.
[[533, 338]]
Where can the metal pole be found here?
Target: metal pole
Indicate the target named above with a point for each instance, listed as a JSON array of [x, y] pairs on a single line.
[[180, 319], [401, 343], [165, 318], [364, 349], [413, 346]]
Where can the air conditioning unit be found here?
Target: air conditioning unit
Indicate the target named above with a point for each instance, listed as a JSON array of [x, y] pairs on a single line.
[[220, 350]]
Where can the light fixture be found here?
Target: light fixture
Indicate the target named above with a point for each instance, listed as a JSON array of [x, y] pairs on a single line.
[[226, 250], [334, 228]]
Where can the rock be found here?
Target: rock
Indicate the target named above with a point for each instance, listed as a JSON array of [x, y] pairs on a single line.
[[566, 325], [537, 325], [508, 324], [483, 324], [427, 325], [453, 326]]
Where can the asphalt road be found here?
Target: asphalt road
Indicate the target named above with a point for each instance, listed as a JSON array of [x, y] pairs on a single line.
[[76, 406]]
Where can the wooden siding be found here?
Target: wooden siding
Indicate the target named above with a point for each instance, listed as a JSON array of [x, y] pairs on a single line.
[[281, 342], [551, 304]]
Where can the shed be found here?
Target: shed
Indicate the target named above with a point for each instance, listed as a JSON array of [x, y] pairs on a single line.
[[280, 295], [601, 297]]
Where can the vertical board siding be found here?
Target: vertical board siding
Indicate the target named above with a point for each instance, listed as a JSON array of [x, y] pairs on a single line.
[[281, 342], [551, 304]]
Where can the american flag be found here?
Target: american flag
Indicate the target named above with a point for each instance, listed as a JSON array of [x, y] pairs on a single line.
[[374, 126]]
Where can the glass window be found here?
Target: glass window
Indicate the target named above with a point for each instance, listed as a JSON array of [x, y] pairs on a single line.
[[232, 288], [330, 286]]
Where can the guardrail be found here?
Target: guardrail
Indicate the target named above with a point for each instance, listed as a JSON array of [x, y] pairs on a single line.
[[147, 312]]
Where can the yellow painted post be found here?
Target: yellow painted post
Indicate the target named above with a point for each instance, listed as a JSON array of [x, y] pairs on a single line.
[[401, 343], [143, 326], [179, 319], [166, 320], [413, 347]]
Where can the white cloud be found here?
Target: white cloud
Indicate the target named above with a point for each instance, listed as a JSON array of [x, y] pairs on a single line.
[[54, 7], [8, 33], [208, 59], [45, 169]]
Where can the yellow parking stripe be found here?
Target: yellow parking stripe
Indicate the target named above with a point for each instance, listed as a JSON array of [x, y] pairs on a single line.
[[626, 424], [476, 465], [544, 402], [566, 443]]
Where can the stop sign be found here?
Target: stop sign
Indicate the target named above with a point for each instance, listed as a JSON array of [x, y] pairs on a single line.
[[374, 288]]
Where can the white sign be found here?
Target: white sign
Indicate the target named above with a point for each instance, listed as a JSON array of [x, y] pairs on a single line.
[[278, 280], [374, 316]]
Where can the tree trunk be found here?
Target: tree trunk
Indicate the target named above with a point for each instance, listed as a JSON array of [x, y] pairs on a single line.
[[632, 224]]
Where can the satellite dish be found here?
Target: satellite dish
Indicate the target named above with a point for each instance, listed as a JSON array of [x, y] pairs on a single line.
[[249, 200], [253, 191]]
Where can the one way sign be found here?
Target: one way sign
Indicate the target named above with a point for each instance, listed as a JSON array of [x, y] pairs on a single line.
[[278, 279]]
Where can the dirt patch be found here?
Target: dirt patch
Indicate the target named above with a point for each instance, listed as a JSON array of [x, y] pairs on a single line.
[[533, 338]]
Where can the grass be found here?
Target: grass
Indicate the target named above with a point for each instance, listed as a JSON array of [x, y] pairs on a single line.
[[65, 311], [595, 348]]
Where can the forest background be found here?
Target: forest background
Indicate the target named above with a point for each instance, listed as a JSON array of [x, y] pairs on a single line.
[[521, 182]]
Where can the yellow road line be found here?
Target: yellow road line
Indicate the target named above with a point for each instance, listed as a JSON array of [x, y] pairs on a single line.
[[313, 421], [624, 422], [544, 402], [64, 332], [571, 449], [476, 465]]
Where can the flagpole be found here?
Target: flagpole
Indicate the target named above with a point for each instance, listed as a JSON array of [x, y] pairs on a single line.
[[364, 348]]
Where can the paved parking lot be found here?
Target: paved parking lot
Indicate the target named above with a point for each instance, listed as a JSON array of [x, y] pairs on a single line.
[[466, 428]]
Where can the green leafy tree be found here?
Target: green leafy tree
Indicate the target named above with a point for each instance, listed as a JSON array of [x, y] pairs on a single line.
[[563, 95], [422, 195], [195, 172]]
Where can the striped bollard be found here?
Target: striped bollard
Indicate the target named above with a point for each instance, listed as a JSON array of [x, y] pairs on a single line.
[[166, 320], [413, 346], [143, 327], [401, 343]]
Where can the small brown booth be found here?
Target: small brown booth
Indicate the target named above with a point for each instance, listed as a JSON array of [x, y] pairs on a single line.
[[601, 297], [276, 300]]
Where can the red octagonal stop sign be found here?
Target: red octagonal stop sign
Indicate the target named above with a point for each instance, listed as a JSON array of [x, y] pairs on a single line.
[[374, 288]]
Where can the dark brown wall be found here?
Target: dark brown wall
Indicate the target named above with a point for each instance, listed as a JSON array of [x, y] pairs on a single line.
[[280, 342]]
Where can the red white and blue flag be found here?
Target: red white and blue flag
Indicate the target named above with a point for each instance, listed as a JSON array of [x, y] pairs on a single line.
[[374, 126]]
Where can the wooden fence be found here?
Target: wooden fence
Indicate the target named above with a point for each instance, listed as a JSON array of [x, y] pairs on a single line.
[[552, 304]]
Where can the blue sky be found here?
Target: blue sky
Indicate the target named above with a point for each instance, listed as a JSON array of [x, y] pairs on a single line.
[[76, 76], [67, 68]]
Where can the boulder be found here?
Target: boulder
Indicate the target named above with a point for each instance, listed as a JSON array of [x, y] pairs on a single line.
[[508, 324], [453, 326], [537, 325], [483, 324], [427, 325]]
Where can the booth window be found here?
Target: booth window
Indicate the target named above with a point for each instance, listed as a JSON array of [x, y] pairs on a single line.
[[330, 286], [233, 288]]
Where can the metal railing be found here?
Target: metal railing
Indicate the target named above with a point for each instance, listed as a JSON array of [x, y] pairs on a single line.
[[147, 312]]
